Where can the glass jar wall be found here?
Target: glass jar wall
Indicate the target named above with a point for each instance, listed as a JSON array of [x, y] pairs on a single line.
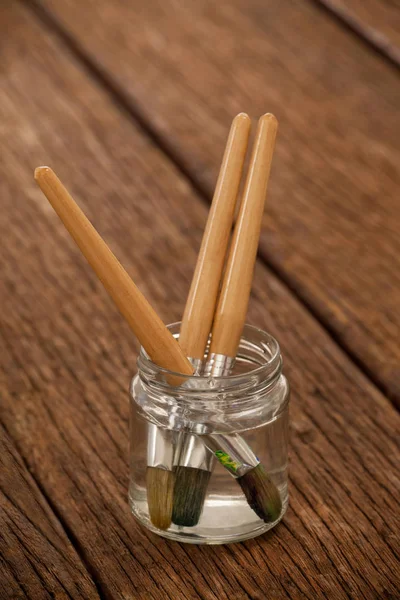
[[208, 458]]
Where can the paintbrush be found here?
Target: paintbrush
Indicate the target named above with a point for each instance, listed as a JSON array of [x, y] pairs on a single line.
[[194, 462], [232, 451], [151, 332]]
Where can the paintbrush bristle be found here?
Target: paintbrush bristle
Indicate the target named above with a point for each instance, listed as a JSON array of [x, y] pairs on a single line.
[[160, 491], [189, 494], [261, 494]]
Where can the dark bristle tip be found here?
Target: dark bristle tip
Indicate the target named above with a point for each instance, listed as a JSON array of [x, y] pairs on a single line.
[[189, 495], [160, 490], [261, 494]]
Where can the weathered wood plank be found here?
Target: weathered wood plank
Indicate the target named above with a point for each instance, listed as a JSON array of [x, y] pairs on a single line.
[[36, 558], [331, 228], [72, 357], [378, 21]]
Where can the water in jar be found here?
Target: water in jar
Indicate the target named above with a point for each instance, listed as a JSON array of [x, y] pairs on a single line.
[[226, 514]]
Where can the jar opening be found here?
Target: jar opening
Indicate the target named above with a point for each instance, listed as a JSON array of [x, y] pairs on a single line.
[[258, 360]]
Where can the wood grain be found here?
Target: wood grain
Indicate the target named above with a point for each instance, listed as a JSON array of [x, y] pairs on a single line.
[[36, 558], [66, 406], [331, 227], [378, 21]]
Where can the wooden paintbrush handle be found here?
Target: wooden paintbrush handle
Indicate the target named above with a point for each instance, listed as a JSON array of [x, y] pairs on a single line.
[[200, 305], [233, 301], [143, 320]]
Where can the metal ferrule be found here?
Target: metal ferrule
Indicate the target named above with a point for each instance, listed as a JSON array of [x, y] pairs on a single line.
[[191, 452], [218, 365], [197, 364], [160, 447], [232, 452]]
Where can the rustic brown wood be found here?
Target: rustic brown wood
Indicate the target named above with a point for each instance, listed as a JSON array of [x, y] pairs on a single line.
[[331, 229], [36, 558], [66, 406], [378, 21]]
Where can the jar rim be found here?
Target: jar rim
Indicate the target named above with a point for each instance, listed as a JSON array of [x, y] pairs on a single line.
[[271, 362]]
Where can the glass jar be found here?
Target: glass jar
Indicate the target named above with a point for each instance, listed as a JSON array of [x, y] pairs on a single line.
[[228, 436]]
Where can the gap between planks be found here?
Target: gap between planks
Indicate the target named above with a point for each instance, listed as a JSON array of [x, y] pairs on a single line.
[[127, 106], [369, 36]]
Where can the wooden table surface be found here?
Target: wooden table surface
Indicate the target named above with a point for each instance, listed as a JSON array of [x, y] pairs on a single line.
[[130, 102]]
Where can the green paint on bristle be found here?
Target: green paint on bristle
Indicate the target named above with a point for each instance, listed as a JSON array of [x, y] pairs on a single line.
[[227, 462], [260, 491]]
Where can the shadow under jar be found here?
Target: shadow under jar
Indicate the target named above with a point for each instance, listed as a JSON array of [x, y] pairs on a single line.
[[246, 409]]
